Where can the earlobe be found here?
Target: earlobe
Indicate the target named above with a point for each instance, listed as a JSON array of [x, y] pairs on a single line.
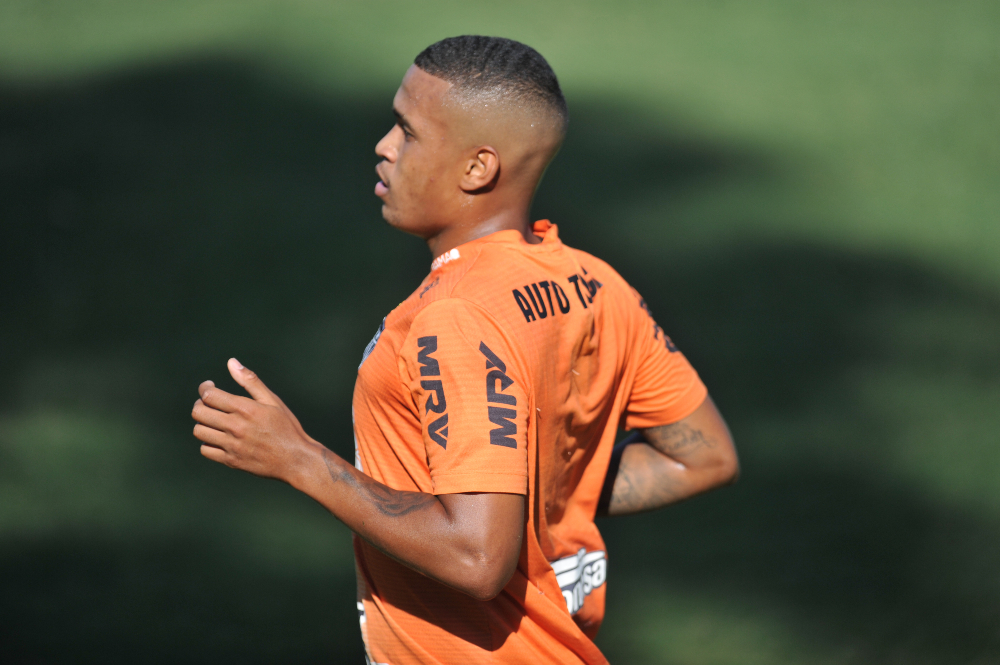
[[482, 171]]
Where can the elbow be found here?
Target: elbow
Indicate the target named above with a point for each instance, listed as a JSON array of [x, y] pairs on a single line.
[[729, 469], [486, 591], [486, 575], [489, 582], [723, 470], [731, 473]]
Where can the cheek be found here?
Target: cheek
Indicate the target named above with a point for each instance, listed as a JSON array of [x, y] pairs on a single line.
[[408, 183], [420, 173], [426, 173]]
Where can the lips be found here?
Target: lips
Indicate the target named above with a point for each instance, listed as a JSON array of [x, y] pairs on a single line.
[[381, 187]]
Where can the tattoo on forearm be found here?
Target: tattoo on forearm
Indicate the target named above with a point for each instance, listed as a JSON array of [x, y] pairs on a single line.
[[389, 502], [331, 468], [394, 503], [667, 464], [635, 491], [626, 496], [677, 439]]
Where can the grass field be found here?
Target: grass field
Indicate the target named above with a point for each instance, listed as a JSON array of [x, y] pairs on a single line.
[[807, 195]]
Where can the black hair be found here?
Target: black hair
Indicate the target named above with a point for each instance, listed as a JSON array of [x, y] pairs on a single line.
[[477, 63]]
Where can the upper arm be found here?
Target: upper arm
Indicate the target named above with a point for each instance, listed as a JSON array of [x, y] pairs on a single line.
[[492, 527], [700, 441], [665, 387], [462, 371], [473, 403]]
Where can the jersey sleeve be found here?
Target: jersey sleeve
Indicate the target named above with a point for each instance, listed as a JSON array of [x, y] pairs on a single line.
[[666, 387], [473, 403]]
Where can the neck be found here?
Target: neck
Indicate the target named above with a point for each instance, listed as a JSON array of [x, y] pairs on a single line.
[[463, 232]]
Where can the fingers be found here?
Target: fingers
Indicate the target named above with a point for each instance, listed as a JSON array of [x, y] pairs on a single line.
[[214, 454], [251, 434], [220, 400], [212, 437], [211, 417], [252, 384], [216, 446]]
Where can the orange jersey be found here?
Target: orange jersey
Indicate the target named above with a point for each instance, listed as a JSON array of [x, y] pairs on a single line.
[[509, 370]]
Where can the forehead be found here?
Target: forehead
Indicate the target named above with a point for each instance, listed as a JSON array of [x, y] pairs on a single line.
[[420, 95]]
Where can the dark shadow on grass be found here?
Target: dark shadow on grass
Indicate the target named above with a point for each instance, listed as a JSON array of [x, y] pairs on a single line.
[[87, 599], [183, 215], [851, 564]]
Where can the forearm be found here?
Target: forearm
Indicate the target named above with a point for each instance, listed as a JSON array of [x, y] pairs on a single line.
[[667, 464], [647, 479], [415, 528], [468, 541]]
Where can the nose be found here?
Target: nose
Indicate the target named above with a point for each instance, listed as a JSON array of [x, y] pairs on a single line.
[[386, 148]]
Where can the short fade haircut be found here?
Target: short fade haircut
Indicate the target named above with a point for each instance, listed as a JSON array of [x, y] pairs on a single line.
[[494, 65]]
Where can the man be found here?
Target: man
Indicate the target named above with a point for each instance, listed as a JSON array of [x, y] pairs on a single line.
[[487, 404]]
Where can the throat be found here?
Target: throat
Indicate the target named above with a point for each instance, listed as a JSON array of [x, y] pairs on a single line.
[[460, 234]]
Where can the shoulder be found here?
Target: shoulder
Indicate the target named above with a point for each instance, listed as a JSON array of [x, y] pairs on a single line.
[[457, 315], [598, 268], [451, 308], [460, 328]]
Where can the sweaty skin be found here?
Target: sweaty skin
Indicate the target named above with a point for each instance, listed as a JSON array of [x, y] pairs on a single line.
[[455, 167]]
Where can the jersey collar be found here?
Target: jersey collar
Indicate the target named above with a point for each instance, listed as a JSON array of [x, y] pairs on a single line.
[[543, 228]]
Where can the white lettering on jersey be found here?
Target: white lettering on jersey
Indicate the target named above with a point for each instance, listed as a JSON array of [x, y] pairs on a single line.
[[447, 257], [580, 574]]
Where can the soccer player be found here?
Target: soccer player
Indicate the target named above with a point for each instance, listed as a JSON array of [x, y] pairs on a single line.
[[487, 404]]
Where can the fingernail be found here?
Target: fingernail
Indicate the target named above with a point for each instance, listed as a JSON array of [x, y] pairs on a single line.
[[238, 364]]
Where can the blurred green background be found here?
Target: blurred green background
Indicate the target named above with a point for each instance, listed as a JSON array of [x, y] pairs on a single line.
[[808, 195]]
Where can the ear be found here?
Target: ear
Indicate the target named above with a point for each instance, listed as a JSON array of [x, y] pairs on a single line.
[[482, 170]]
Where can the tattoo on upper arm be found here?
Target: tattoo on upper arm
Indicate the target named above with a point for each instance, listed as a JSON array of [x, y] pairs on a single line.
[[677, 439], [389, 502]]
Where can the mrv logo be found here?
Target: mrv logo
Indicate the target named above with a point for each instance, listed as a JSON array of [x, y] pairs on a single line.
[[580, 574], [436, 402], [503, 435]]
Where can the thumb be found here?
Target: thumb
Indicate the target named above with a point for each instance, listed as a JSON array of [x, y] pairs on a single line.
[[252, 384]]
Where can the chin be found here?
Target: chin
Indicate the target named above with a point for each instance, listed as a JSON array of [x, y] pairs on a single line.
[[390, 216], [405, 224]]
